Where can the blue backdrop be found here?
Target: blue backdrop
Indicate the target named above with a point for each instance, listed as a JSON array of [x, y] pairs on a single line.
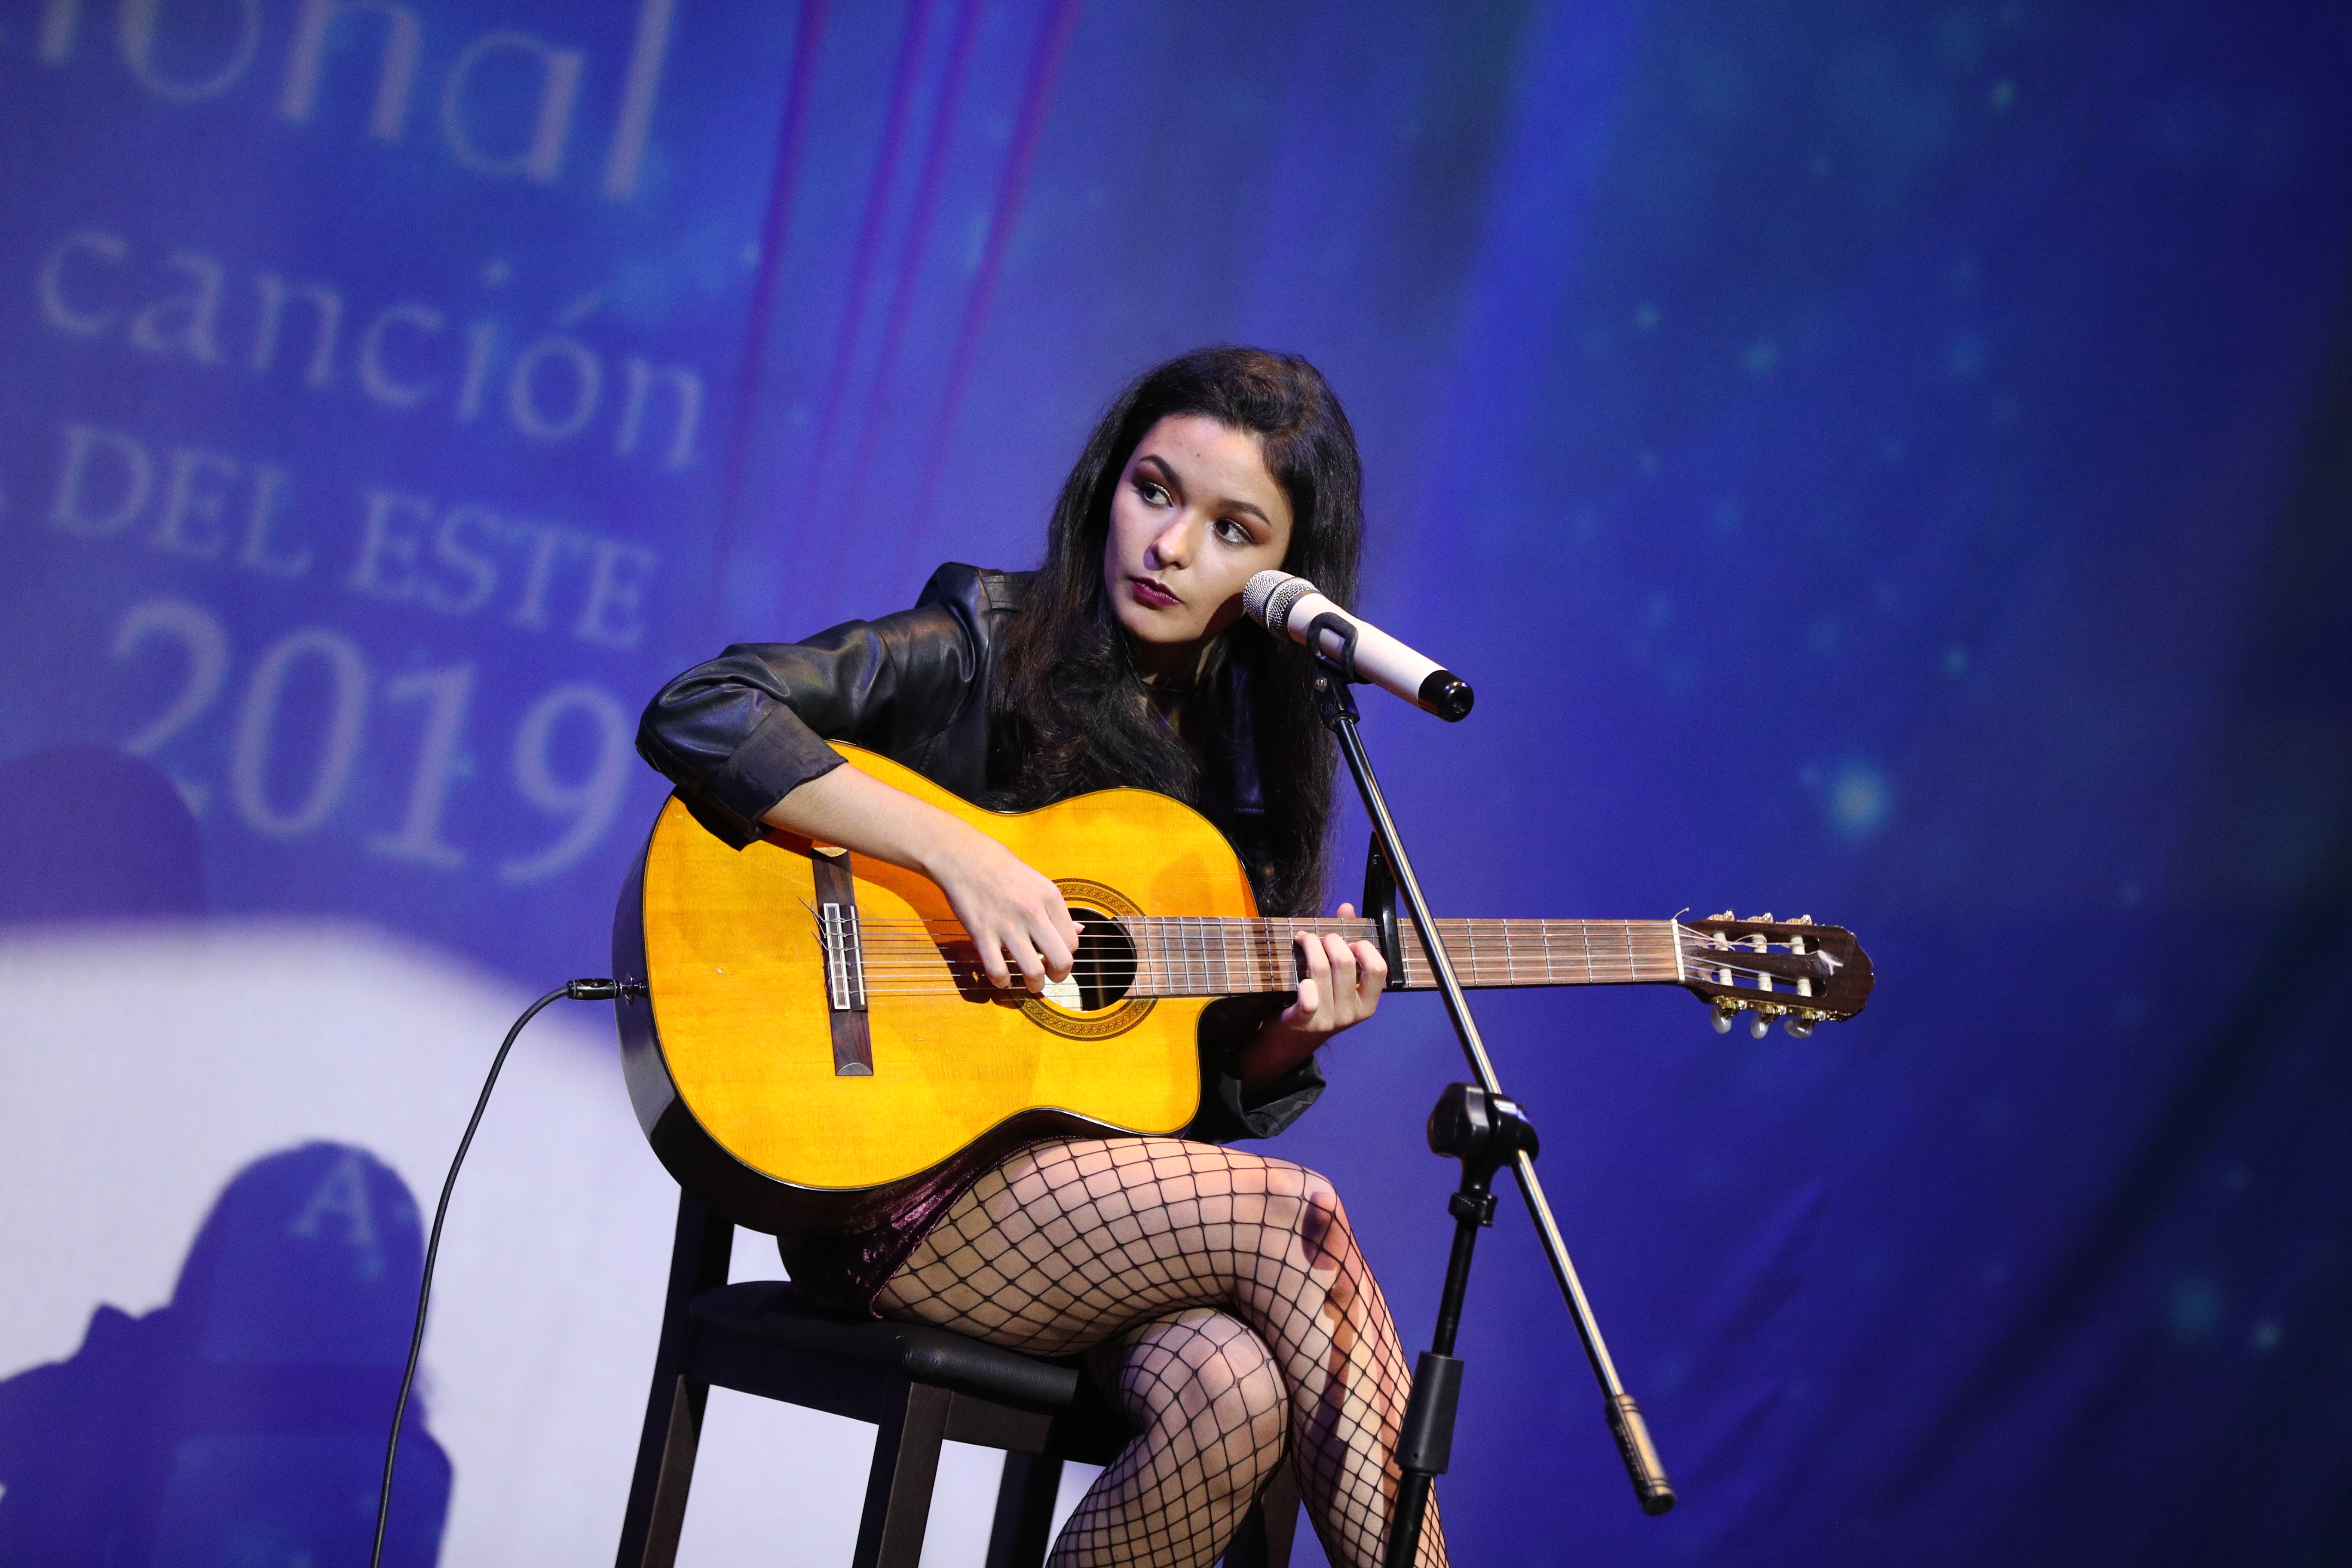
[[1887, 463]]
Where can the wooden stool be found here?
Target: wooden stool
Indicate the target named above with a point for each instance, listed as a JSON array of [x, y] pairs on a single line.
[[919, 1386]]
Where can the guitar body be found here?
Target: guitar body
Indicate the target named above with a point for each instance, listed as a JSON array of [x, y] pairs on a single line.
[[746, 1071]]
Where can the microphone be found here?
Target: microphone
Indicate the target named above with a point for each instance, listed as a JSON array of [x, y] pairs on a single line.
[[1289, 607]]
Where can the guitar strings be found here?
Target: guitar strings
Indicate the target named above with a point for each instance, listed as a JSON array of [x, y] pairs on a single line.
[[1180, 947], [1255, 933], [1236, 969], [883, 952], [1183, 949], [1241, 973], [1283, 957], [1184, 940], [1184, 936], [1658, 929]]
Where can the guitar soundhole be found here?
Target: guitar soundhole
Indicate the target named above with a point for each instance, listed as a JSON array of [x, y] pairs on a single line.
[[1105, 969]]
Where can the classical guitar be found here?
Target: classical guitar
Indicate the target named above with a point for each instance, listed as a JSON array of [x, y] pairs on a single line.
[[816, 1032]]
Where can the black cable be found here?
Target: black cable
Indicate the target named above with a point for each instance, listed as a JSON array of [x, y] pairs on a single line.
[[578, 991]]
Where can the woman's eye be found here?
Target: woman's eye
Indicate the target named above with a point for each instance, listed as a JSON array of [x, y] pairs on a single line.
[[1231, 532], [1151, 492]]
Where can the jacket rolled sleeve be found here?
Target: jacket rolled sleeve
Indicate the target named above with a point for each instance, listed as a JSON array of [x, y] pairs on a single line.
[[1229, 1112], [738, 733]]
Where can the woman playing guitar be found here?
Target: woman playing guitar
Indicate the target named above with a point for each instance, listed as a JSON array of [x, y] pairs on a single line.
[[1220, 1293]]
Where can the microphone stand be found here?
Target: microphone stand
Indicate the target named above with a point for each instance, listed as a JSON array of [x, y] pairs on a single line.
[[1506, 1139]]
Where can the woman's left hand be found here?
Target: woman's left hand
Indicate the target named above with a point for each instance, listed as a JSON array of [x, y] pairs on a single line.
[[1340, 988]]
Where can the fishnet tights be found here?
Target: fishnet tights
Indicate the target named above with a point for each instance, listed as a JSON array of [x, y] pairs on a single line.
[[1225, 1291]]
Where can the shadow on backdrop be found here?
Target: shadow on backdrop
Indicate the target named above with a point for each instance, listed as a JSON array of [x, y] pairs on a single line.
[[92, 833], [244, 1423]]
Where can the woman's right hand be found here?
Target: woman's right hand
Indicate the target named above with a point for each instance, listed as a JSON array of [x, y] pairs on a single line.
[[1016, 915], [1012, 911]]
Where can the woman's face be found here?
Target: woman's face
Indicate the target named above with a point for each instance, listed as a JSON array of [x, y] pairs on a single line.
[[1196, 515]]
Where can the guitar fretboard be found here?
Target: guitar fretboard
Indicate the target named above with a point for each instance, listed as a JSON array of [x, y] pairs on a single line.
[[1183, 956]]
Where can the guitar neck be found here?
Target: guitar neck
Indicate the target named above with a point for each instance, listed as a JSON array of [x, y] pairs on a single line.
[[1211, 957]]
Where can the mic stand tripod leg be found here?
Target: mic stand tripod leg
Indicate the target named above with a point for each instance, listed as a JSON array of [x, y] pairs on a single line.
[[1482, 1131], [1642, 1465]]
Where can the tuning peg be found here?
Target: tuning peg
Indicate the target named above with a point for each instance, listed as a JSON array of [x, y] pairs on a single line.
[[1802, 920], [1758, 1026], [1799, 1029], [1726, 915], [1723, 1016], [1763, 919]]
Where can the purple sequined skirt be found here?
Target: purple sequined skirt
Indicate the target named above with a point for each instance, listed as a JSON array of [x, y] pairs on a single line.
[[846, 1272]]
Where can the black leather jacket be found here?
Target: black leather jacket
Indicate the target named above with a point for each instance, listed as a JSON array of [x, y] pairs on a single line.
[[738, 734]]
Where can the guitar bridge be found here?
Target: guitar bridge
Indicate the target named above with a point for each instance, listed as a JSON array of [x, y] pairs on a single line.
[[845, 964]]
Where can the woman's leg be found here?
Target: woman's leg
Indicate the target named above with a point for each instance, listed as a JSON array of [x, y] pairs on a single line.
[[1066, 1244], [1210, 1400]]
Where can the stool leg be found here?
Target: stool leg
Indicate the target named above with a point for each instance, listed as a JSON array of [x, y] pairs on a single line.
[[657, 1508], [655, 1544], [1024, 1512], [1277, 1515], [898, 1488], [1271, 1526]]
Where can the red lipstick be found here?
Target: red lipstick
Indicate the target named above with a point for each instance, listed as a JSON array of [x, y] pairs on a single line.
[[1151, 594]]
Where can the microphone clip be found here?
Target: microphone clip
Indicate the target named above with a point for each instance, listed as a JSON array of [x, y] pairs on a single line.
[[1339, 626], [1333, 701]]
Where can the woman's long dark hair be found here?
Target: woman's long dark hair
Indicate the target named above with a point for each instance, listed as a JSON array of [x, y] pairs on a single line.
[[1071, 712]]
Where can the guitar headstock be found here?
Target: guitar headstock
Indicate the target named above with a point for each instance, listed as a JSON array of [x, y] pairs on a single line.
[[1795, 971]]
